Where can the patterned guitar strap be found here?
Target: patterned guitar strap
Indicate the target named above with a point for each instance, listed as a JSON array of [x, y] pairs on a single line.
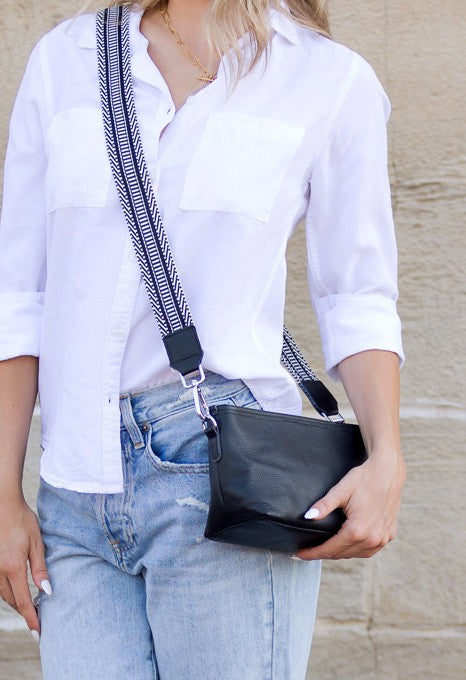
[[148, 236]]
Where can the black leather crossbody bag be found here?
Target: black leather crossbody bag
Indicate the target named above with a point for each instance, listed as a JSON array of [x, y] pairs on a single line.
[[265, 468]]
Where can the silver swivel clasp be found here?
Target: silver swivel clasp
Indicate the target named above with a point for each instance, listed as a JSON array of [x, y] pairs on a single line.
[[202, 408]]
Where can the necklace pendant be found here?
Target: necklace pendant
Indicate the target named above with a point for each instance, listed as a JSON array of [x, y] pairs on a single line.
[[206, 79]]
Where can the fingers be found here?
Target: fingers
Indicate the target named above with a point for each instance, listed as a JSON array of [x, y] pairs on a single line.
[[353, 540], [6, 593], [38, 566], [17, 576], [334, 498], [360, 550], [332, 547]]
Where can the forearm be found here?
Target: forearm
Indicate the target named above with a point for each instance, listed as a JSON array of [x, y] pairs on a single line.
[[18, 392], [370, 493], [372, 382]]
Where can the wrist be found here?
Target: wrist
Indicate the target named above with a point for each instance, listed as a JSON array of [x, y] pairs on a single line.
[[11, 493], [388, 463], [387, 453]]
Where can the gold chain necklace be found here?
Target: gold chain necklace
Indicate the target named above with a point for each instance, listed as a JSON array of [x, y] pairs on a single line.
[[206, 77]]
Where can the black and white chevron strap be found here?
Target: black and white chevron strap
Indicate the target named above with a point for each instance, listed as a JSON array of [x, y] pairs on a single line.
[[142, 215]]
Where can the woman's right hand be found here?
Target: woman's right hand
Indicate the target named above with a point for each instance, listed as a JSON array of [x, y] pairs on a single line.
[[20, 541]]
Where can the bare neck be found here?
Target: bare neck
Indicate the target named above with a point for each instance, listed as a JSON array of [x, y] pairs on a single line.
[[180, 74], [188, 18]]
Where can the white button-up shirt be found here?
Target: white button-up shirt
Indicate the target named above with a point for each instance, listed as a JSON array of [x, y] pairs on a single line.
[[233, 176]]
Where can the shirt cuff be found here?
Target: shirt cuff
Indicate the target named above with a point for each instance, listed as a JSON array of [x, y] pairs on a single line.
[[351, 323], [20, 323]]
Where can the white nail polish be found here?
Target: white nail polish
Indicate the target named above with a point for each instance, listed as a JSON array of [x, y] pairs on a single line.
[[312, 513], [35, 635], [46, 587], [295, 557]]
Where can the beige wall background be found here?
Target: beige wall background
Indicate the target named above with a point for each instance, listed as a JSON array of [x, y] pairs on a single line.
[[399, 615]]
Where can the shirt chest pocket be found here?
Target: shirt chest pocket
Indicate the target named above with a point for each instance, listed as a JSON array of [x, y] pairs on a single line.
[[239, 164], [78, 171]]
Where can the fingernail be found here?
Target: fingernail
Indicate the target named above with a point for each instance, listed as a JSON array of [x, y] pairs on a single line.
[[295, 557], [46, 587], [35, 635], [311, 513]]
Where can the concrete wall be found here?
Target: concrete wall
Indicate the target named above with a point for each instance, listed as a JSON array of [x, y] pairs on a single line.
[[400, 614]]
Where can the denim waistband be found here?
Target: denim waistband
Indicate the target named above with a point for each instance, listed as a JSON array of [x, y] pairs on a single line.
[[156, 402]]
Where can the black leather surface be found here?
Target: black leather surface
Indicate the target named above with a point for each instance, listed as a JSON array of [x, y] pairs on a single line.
[[184, 349], [266, 469]]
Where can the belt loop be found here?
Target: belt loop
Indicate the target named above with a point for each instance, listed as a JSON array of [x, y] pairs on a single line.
[[129, 421]]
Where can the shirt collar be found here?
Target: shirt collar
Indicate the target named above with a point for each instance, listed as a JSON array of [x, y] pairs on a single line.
[[278, 21], [284, 25]]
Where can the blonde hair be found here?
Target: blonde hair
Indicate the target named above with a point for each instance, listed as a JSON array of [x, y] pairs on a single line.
[[226, 21]]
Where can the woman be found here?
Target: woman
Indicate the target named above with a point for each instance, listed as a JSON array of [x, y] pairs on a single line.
[[127, 582]]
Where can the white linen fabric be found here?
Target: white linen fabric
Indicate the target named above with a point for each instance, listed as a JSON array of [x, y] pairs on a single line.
[[302, 137]]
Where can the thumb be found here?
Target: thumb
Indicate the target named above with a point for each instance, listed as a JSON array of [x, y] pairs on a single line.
[[324, 506], [38, 567]]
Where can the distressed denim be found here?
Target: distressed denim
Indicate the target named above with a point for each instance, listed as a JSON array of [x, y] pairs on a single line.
[[139, 593]]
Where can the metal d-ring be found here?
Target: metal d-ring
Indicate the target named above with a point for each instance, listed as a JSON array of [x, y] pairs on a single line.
[[194, 381], [335, 418]]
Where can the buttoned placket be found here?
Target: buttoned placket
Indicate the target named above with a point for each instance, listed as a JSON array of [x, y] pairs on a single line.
[[145, 71], [129, 275]]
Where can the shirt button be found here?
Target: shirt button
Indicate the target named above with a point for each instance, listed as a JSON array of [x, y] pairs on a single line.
[[118, 331]]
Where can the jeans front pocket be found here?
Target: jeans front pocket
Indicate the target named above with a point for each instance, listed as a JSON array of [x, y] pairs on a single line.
[[177, 442], [173, 447]]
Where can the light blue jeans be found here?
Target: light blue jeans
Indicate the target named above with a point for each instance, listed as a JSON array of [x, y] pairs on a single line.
[[139, 593]]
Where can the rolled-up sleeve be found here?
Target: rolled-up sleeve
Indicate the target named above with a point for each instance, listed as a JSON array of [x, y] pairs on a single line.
[[350, 233], [23, 219]]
